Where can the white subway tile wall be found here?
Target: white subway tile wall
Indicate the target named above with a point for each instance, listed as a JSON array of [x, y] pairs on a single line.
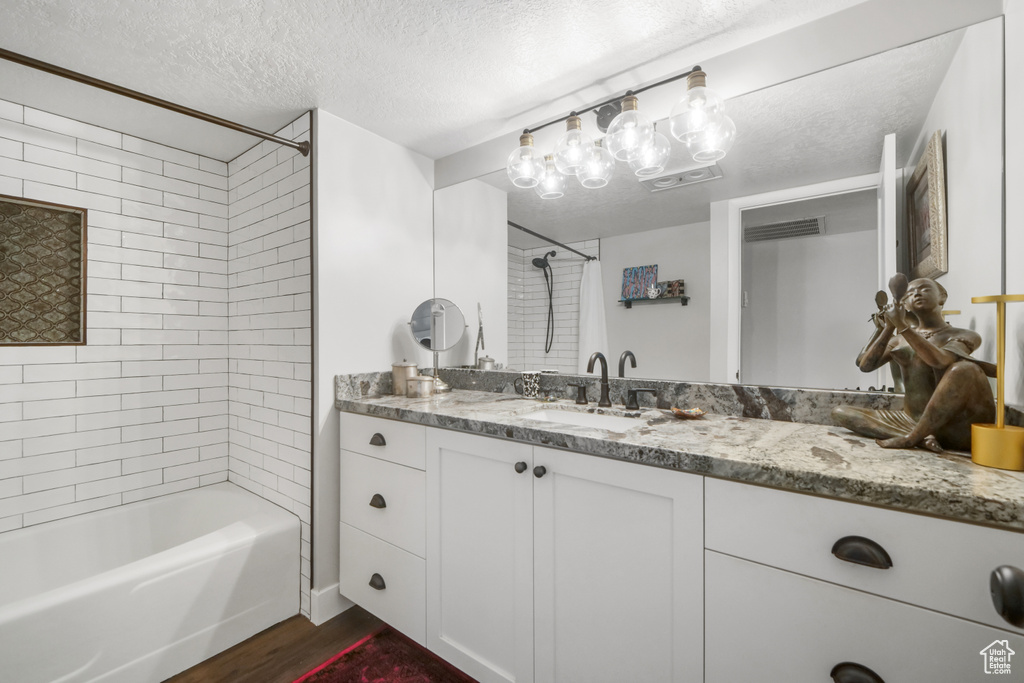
[[197, 367], [92, 427], [269, 310], [528, 307]]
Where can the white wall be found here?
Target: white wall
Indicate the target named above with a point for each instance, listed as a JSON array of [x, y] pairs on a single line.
[[1014, 253], [516, 304], [470, 238], [809, 299], [968, 108], [373, 265], [142, 410], [530, 332], [270, 319], [669, 341]]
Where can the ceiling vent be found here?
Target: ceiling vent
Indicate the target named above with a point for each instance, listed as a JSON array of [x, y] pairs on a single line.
[[777, 231], [681, 178]]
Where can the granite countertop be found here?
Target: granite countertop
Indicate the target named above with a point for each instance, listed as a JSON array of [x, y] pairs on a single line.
[[807, 458]]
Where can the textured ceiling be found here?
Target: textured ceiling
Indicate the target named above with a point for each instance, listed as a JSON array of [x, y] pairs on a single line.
[[825, 126], [436, 76]]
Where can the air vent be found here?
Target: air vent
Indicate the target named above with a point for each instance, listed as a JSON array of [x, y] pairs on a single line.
[[681, 178], [778, 231]]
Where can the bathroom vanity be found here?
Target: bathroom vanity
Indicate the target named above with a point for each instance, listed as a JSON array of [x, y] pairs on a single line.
[[521, 548]]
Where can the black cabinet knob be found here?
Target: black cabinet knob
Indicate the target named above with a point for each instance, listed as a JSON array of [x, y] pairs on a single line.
[[378, 502], [378, 440], [863, 551], [377, 582], [520, 467], [849, 672], [1006, 584], [539, 471]]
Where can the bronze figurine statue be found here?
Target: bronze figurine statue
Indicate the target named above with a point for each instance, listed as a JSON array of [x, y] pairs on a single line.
[[946, 390]]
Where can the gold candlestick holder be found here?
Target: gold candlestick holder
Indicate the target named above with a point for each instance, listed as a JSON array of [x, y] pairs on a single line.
[[998, 445]]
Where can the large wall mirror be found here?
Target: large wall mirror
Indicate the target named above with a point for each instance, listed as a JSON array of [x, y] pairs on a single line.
[[837, 146]]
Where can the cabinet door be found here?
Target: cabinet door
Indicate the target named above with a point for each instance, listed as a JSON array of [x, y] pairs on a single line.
[[765, 624], [619, 571], [480, 555]]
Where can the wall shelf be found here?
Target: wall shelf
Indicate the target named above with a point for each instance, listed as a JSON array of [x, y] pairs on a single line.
[[683, 300]]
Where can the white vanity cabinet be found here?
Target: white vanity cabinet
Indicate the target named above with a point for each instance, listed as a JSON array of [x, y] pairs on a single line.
[[910, 602], [553, 566], [382, 531]]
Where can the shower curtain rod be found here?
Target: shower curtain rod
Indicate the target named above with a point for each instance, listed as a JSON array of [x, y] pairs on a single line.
[[548, 239], [303, 146]]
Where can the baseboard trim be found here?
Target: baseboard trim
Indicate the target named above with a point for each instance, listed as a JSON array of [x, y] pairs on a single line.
[[326, 604]]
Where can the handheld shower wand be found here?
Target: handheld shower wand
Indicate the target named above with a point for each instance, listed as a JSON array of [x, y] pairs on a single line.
[[542, 263]]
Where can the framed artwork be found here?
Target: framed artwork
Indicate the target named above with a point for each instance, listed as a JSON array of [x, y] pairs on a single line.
[[42, 273], [636, 280], [926, 208]]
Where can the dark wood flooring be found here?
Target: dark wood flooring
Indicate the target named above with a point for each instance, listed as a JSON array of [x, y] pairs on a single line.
[[283, 652]]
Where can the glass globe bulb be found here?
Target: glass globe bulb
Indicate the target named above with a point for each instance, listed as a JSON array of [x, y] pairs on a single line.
[[525, 165], [695, 109], [571, 148], [629, 132], [552, 183], [598, 167], [715, 141], [652, 158]]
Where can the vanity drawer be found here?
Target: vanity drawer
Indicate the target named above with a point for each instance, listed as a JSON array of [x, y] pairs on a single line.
[[938, 564], [402, 601], [765, 624], [368, 483], [400, 442]]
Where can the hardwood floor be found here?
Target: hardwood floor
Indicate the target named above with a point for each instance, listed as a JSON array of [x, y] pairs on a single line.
[[283, 652]]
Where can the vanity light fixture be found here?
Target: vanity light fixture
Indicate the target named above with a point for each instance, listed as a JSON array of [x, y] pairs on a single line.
[[552, 183], [698, 121]]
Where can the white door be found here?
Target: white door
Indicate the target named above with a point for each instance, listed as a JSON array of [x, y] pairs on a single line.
[[619, 571], [480, 555]]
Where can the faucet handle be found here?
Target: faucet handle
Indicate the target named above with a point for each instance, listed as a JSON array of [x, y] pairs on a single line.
[[581, 393], [631, 397]]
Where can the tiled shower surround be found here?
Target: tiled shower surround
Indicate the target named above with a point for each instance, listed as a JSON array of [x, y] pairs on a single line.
[[528, 307], [198, 357]]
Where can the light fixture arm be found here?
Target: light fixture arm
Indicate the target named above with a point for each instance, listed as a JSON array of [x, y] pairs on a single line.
[[613, 100]]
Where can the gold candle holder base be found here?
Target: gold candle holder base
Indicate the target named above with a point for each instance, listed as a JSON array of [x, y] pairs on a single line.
[[999, 447]]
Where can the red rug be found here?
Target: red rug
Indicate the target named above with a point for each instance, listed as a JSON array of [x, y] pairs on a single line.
[[385, 657]]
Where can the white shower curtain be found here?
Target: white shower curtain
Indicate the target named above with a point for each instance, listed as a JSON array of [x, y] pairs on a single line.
[[593, 334]]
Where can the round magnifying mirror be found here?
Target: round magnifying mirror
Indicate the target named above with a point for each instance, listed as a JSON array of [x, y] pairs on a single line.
[[437, 324]]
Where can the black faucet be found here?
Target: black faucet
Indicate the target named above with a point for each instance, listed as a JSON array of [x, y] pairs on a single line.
[[604, 402], [622, 362], [631, 397]]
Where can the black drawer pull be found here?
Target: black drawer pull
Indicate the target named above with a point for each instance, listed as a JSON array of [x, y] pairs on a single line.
[[860, 550], [377, 582], [520, 467], [848, 672], [378, 502], [1007, 587], [378, 440], [539, 471]]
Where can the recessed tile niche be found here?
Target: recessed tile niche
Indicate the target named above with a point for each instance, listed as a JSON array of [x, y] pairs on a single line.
[[42, 273]]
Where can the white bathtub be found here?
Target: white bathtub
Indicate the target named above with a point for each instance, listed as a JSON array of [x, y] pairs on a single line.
[[141, 592]]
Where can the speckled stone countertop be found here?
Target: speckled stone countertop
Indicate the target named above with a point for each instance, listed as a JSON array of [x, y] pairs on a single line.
[[807, 458]]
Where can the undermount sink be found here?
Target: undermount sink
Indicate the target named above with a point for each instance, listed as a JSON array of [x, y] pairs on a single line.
[[612, 423]]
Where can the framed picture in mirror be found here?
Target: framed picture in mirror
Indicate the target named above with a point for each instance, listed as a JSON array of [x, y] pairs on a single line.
[[926, 208], [42, 273]]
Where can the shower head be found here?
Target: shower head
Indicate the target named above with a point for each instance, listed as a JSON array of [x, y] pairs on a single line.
[[542, 263]]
